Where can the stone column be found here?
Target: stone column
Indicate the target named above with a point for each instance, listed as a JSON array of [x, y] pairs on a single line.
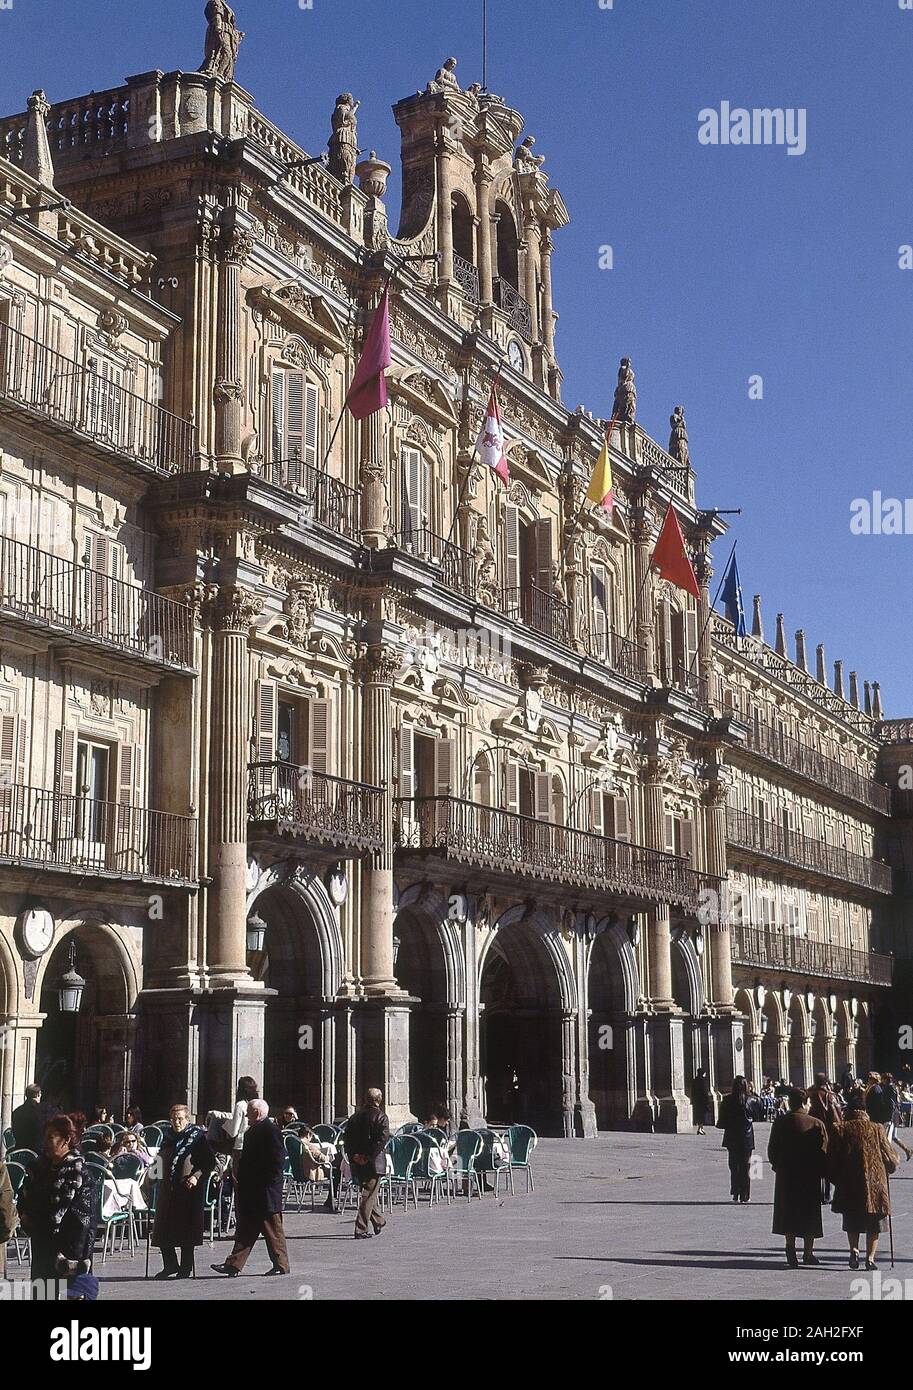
[[375, 512], [486, 271], [444, 209], [642, 535], [704, 574], [455, 1048], [533, 259], [659, 940], [754, 1062], [548, 319], [235, 245], [715, 798], [568, 1070]]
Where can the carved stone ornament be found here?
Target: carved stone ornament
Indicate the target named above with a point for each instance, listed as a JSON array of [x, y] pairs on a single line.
[[300, 607], [236, 610], [223, 40], [237, 244], [112, 324], [225, 391]]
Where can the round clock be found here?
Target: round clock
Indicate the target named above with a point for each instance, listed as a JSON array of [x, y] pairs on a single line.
[[36, 931], [516, 356]]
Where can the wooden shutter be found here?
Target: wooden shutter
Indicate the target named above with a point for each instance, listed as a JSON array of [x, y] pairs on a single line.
[[691, 630], [669, 832], [443, 767], [686, 833], [512, 785], [407, 761], [597, 812], [294, 415], [542, 794], [319, 735], [64, 779], [310, 452], [622, 826], [544, 558], [600, 604], [9, 738], [512, 551], [278, 414], [664, 624], [411, 491], [127, 827], [267, 701]]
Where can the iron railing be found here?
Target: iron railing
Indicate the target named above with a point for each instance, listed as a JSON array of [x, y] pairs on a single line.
[[72, 396], [316, 807], [81, 835], [491, 839], [327, 500], [467, 277], [457, 567], [518, 311], [808, 762], [37, 587], [540, 610], [619, 653], [772, 840], [678, 676], [775, 950]]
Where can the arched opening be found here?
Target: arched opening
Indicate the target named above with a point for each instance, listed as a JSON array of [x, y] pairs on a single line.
[[864, 1049], [684, 994], [421, 970], [797, 1039], [841, 1040], [462, 221], [508, 247], [820, 1025], [292, 964], [771, 1028], [610, 1089], [84, 1059], [520, 1032]]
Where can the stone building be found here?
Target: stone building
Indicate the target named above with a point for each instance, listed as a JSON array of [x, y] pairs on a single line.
[[340, 762]]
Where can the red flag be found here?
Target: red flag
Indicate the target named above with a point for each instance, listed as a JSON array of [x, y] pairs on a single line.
[[368, 392], [671, 558], [490, 443]]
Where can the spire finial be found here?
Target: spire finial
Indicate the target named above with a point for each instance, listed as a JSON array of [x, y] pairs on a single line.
[[780, 647], [801, 656], [36, 150], [757, 622]]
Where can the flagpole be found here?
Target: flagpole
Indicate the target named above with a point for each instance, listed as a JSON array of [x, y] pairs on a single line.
[[576, 522], [461, 495], [711, 609]]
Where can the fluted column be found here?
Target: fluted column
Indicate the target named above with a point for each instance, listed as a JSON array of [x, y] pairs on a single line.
[[548, 317], [533, 258], [642, 534], [235, 245], [444, 209], [486, 271], [715, 863], [659, 935], [227, 953], [375, 512], [380, 666]]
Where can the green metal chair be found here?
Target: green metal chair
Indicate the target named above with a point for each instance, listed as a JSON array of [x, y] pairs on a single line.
[[211, 1201], [9, 1140], [433, 1166], [327, 1134], [521, 1140], [406, 1152], [118, 1221], [468, 1147], [17, 1174], [152, 1137], [128, 1166], [485, 1163], [23, 1156]]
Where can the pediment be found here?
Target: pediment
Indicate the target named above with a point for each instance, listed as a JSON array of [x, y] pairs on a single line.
[[422, 391], [304, 311]]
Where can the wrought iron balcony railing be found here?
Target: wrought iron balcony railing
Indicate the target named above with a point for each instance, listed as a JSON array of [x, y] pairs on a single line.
[[45, 590], [456, 567], [108, 839], [619, 653], [778, 950], [773, 841], [68, 395], [540, 610], [467, 277], [517, 846], [327, 500], [817, 767], [518, 311], [312, 806], [678, 676]]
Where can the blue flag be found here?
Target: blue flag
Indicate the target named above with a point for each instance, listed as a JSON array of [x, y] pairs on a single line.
[[732, 598]]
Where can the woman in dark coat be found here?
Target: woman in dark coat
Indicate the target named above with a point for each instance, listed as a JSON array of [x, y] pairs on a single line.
[[738, 1138], [58, 1206], [860, 1161], [186, 1160], [797, 1151], [700, 1099]]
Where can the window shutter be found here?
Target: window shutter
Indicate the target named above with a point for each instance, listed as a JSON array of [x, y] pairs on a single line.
[[622, 819], [278, 414], [599, 593], [443, 767], [294, 416], [126, 831], [310, 453], [542, 791], [597, 812], [664, 624], [669, 830], [691, 630], [64, 778], [512, 551], [319, 735], [686, 831], [512, 785], [544, 557], [8, 743], [266, 721], [407, 762], [412, 491]]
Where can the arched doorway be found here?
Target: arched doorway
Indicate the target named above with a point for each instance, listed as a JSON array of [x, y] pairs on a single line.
[[612, 1088], [462, 221], [508, 247], [686, 991], [521, 1037], [773, 1026], [842, 1039], [84, 1059], [421, 970], [798, 1037], [822, 1038], [298, 1026]]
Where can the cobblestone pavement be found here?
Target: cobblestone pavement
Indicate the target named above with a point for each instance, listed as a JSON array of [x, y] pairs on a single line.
[[626, 1216]]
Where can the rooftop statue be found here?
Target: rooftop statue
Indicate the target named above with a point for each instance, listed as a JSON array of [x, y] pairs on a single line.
[[678, 442], [525, 160], [444, 78], [223, 39], [343, 144], [625, 405]]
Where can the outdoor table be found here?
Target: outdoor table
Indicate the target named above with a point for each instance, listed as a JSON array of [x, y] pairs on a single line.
[[119, 1195]]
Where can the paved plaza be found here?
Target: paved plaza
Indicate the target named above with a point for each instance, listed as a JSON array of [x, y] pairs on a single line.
[[647, 1216]]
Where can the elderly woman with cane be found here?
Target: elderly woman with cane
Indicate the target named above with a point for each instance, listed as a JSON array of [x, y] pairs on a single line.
[[186, 1160]]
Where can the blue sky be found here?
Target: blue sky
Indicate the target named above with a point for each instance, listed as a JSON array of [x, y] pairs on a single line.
[[730, 262]]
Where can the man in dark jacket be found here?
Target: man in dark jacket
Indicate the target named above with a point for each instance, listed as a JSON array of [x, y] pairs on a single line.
[[29, 1120], [259, 1194], [823, 1106], [365, 1138]]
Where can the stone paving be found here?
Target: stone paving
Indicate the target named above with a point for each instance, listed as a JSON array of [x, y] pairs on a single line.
[[627, 1216]]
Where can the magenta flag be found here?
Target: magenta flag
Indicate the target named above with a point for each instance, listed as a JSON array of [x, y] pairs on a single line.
[[368, 392]]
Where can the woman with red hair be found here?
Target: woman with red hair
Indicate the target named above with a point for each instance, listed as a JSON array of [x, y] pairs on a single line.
[[58, 1206]]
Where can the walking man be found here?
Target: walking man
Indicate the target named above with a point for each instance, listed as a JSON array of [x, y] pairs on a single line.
[[365, 1138], [259, 1194]]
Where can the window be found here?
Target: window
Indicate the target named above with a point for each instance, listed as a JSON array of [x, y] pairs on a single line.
[[679, 836], [106, 400], [415, 493], [105, 599], [292, 731], [601, 603], [12, 759], [296, 403]]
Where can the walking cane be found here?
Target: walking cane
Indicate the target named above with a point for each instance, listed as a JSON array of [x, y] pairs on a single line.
[[890, 1223]]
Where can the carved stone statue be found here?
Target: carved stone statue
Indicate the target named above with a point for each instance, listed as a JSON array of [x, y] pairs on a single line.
[[524, 159], [485, 560], [678, 441], [444, 78], [223, 39], [343, 144], [625, 405]]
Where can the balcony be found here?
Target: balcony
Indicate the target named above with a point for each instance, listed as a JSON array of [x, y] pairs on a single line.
[[618, 653], [817, 767], [774, 950], [66, 396], [530, 852], [770, 840], [320, 811], [540, 610], [40, 591], [467, 277], [328, 501], [677, 676], [677, 476], [515, 307], [456, 567], [42, 829]]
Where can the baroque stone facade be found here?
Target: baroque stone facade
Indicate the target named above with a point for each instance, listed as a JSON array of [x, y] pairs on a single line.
[[341, 763]]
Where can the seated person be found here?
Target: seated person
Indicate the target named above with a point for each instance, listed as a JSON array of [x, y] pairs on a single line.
[[130, 1143]]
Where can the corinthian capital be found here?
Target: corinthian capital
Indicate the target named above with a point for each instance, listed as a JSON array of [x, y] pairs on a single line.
[[381, 663], [236, 609]]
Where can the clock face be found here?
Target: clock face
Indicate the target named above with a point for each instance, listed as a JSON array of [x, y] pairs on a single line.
[[515, 355], [37, 931]]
